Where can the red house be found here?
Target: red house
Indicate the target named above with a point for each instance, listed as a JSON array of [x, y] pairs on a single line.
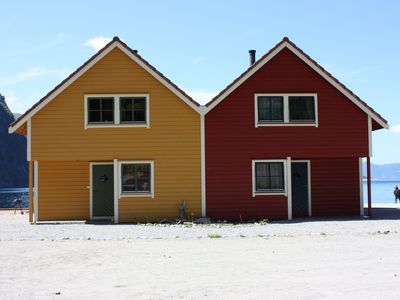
[[286, 139]]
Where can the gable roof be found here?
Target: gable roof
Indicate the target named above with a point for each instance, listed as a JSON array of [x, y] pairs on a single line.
[[286, 43], [114, 43]]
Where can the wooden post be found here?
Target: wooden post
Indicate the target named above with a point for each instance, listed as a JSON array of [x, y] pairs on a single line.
[[30, 170], [369, 186]]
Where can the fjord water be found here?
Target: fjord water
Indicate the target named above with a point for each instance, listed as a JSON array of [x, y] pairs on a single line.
[[8, 195], [382, 192]]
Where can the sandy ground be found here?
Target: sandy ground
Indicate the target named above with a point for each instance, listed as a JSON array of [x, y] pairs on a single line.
[[328, 259]]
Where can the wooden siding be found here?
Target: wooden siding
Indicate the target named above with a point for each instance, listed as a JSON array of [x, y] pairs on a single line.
[[172, 141], [63, 192], [335, 187], [232, 141]]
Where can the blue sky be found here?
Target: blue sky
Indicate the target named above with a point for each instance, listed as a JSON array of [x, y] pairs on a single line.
[[202, 45]]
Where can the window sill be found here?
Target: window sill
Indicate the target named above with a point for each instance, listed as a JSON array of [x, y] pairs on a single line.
[[269, 194], [125, 125], [136, 195], [286, 124]]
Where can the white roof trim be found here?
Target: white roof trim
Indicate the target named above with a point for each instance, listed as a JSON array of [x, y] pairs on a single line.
[[66, 84], [310, 63]]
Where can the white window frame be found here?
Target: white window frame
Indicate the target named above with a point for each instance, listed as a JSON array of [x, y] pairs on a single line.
[[136, 194], [117, 111], [286, 121], [253, 175]]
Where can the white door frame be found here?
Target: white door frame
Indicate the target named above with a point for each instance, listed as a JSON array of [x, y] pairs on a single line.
[[309, 181], [91, 164]]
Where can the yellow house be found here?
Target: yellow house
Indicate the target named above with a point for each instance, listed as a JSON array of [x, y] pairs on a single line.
[[116, 140]]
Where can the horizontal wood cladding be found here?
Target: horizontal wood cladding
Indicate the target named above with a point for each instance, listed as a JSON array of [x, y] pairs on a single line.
[[174, 181], [342, 128], [63, 192], [58, 129], [229, 192], [335, 187]]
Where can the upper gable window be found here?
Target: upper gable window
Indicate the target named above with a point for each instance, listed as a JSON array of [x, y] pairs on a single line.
[[101, 110], [117, 110], [133, 109], [286, 110]]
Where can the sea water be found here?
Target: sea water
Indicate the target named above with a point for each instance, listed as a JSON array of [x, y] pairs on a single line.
[[7, 197], [382, 192]]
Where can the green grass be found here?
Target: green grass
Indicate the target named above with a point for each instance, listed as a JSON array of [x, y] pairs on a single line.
[[214, 236]]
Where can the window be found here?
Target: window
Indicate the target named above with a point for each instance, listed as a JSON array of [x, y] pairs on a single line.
[[117, 110], [101, 110], [286, 110], [137, 178], [270, 109], [133, 110], [269, 177], [301, 109]]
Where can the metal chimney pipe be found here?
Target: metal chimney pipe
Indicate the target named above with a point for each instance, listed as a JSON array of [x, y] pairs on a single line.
[[252, 54]]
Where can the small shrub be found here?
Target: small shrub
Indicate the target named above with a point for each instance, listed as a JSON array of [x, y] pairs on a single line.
[[242, 236], [214, 236]]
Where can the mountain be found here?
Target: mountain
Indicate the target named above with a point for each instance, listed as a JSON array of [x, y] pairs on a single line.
[[13, 164], [388, 172]]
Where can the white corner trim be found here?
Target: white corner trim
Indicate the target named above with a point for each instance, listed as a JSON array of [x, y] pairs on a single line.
[[203, 166], [286, 112], [116, 198], [151, 194], [253, 178], [89, 65], [369, 136], [360, 174], [289, 186], [29, 140], [117, 112], [36, 190], [313, 66]]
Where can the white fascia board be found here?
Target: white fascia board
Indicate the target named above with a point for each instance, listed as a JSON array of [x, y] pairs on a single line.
[[309, 63], [91, 64]]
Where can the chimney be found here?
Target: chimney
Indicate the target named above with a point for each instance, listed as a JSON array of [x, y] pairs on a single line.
[[252, 54], [136, 51]]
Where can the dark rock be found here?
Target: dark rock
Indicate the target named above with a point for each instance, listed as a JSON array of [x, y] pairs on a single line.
[[13, 164]]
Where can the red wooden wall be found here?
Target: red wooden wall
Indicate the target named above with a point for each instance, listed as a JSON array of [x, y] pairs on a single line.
[[232, 142]]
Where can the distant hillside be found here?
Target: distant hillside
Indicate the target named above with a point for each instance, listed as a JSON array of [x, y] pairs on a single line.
[[13, 165], [384, 172]]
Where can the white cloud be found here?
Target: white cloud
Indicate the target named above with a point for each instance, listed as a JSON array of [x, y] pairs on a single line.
[[97, 42], [31, 74], [200, 95], [395, 129]]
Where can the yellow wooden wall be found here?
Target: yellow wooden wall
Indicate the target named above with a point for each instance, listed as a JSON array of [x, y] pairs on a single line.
[[172, 141], [63, 192]]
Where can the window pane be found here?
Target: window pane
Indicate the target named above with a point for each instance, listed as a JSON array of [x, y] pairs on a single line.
[[270, 109], [107, 116], [301, 108], [107, 103], [135, 177], [94, 103], [269, 176], [126, 103], [94, 116], [139, 116], [126, 116], [140, 103]]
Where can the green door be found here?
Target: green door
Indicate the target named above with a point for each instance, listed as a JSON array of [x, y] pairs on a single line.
[[103, 190]]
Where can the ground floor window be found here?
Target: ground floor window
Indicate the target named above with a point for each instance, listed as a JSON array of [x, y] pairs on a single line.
[[269, 177], [137, 178]]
